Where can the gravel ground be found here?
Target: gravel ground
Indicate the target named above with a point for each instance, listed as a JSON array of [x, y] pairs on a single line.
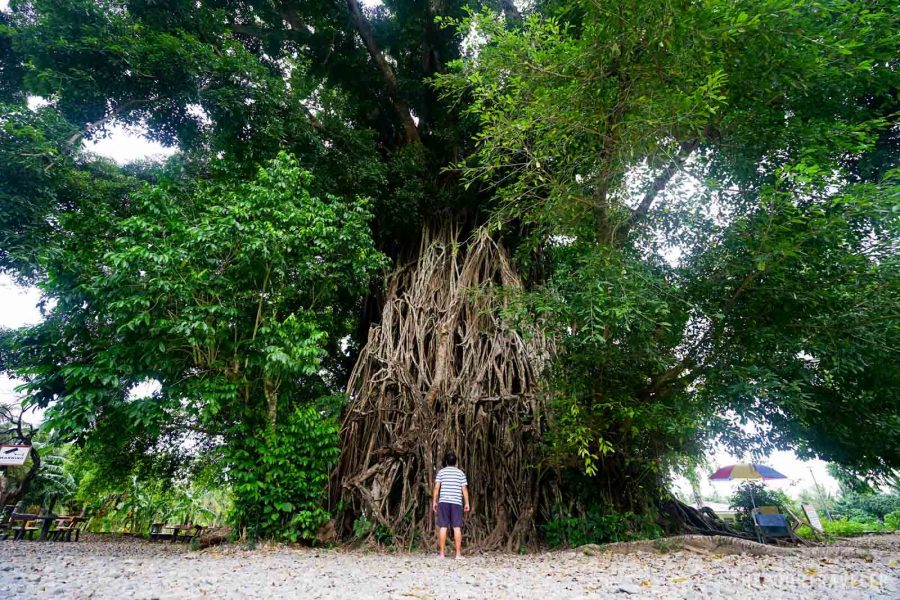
[[100, 568]]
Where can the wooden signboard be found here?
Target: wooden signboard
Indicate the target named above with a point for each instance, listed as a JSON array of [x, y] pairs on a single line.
[[13, 456], [810, 511]]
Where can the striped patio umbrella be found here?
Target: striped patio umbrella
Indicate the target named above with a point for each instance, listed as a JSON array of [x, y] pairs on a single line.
[[741, 471], [746, 471]]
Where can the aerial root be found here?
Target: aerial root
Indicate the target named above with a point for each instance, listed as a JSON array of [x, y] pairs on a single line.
[[444, 371]]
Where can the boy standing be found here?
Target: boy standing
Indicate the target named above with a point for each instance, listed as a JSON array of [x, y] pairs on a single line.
[[450, 499]]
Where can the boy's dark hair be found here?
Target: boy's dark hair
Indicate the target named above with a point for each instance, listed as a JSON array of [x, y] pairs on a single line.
[[450, 459]]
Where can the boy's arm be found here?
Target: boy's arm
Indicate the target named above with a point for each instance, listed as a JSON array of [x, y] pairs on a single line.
[[435, 496], [466, 496]]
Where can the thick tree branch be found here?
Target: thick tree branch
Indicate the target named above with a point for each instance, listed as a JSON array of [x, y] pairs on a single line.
[[510, 11], [675, 375], [99, 123], [661, 180], [410, 132]]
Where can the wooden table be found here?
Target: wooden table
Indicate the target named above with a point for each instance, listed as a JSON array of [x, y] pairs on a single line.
[[176, 529], [65, 525], [179, 532], [25, 517], [45, 526]]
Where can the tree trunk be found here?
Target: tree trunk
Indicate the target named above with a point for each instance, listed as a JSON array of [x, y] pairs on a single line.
[[14, 495], [442, 372]]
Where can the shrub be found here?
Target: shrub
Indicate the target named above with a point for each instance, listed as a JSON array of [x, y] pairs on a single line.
[[280, 480], [599, 526], [892, 520], [848, 527], [843, 527], [362, 527]]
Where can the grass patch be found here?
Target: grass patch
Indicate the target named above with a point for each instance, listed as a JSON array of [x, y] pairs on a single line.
[[844, 527]]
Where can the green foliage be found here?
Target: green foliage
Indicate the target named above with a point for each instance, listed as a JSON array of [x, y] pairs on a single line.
[[598, 525], [54, 480], [575, 101], [791, 350], [848, 480], [363, 528], [127, 487], [279, 480], [225, 293], [614, 326], [867, 506], [843, 527], [133, 508], [46, 191], [751, 494], [713, 236], [892, 520]]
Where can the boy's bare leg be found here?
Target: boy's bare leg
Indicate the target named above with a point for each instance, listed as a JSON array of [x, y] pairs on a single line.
[[442, 539], [457, 539]]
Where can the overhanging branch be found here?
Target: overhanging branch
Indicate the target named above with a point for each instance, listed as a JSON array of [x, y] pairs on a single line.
[[410, 132], [99, 123], [659, 183], [511, 11]]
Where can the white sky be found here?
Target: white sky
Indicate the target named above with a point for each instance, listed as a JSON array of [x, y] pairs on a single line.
[[18, 308], [127, 145]]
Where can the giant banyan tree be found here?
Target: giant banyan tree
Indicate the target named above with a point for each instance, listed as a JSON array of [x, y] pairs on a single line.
[[702, 195], [442, 371]]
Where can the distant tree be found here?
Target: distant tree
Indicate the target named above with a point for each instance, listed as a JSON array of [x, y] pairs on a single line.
[[15, 482]]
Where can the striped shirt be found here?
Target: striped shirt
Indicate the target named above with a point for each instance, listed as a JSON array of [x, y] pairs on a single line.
[[452, 481]]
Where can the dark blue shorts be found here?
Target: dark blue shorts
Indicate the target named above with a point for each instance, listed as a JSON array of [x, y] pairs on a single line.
[[449, 515]]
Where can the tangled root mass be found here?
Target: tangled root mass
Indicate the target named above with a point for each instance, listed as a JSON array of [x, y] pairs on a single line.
[[443, 371]]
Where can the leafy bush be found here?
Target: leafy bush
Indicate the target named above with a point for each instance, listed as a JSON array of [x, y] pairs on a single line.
[[599, 526], [363, 527], [892, 520], [848, 527], [843, 527], [280, 480]]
